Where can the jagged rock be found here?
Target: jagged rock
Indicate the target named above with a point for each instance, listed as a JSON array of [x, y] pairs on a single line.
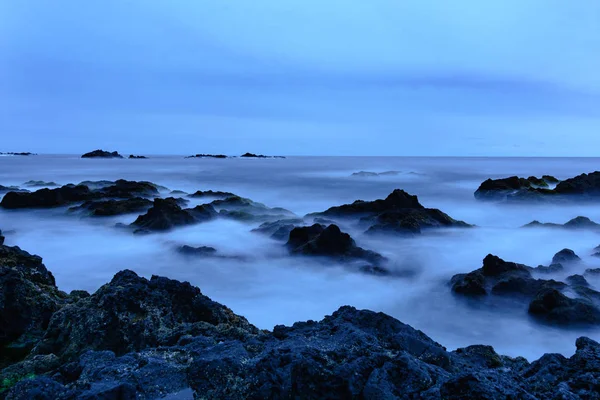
[[515, 187], [565, 256], [316, 240], [6, 189], [210, 193], [166, 214], [28, 298], [575, 223], [103, 208], [551, 269], [399, 212], [554, 307], [586, 185], [101, 154], [578, 280], [500, 277], [129, 314]]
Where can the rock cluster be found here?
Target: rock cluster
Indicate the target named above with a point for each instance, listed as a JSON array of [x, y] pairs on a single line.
[[102, 154], [138, 338]]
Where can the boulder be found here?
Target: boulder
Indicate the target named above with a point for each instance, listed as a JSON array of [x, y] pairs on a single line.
[[164, 214], [399, 213], [552, 306], [317, 240], [584, 185], [46, 198], [101, 154], [202, 251], [28, 298], [278, 230], [565, 256], [577, 280], [131, 313]]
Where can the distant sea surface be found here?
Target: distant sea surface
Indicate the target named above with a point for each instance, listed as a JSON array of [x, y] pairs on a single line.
[[270, 288]]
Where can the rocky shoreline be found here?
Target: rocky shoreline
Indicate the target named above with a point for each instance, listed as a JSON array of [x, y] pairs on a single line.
[[138, 338]]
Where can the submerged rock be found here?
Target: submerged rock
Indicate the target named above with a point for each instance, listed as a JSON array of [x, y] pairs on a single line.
[[104, 208], [252, 155], [40, 183], [399, 212], [101, 154], [367, 174], [203, 251], [45, 198], [131, 156], [208, 156], [500, 189], [552, 306], [575, 224], [279, 230]]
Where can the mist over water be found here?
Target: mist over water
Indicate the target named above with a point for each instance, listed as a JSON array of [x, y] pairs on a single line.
[[268, 287]]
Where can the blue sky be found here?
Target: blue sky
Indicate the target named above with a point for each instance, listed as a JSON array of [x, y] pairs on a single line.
[[383, 77]]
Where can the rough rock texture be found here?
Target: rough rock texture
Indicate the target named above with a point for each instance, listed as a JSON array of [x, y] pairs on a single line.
[[202, 251], [317, 240], [399, 213], [28, 298], [577, 223], [101, 154], [165, 214], [147, 339], [104, 208], [500, 189], [581, 187], [213, 194], [565, 256], [546, 302], [69, 194]]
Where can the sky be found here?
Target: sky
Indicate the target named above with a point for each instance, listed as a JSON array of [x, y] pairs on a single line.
[[301, 77]]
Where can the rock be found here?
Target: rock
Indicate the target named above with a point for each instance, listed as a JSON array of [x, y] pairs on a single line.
[[565, 256], [1, 238], [400, 213], [101, 154], [278, 230], [213, 194], [584, 185], [367, 174], [204, 212], [500, 277], [498, 189], [40, 183], [552, 306], [45, 198], [28, 298], [575, 223], [123, 189], [316, 240], [577, 280], [252, 155], [246, 210], [165, 214], [19, 154], [5, 189], [208, 156], [551, 269], [103, 208], [129, 314], [203, 251], [592, 271], [131, 156]]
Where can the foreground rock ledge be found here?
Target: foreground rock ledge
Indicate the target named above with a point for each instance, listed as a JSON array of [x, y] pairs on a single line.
[[138, 338]]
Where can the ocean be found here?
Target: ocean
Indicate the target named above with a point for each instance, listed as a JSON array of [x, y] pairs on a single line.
[[269, 288]]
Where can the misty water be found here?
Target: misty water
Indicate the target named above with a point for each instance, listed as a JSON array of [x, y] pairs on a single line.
[[268, 287]]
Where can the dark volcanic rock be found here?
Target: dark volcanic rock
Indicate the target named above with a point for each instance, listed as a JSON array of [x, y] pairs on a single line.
[[586, 185], [500, 277], [565, 256], [132, 313], [316, 240], [28, 298], [246, 210], [252, 155], [147, 339], [103, 208], [131, 156], [5, 189], [101, 154], [575, 223], [123, 189], [578, 280], [210, 193], [45, 198], [552, 306], [164, 214], [499, 189], [400, 213]]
